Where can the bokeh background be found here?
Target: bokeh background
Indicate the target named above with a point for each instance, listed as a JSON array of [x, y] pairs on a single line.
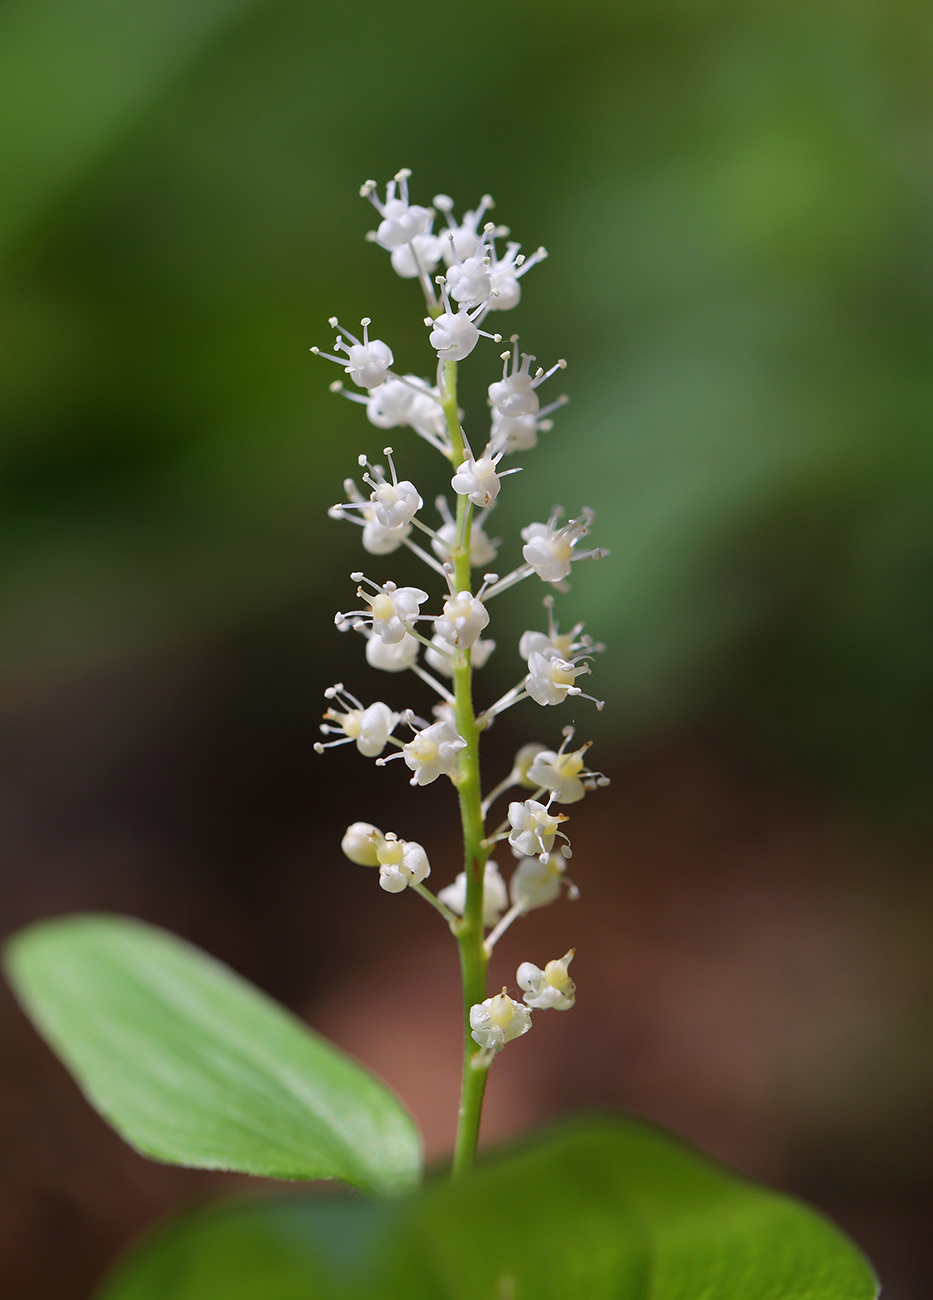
[[737, 199]]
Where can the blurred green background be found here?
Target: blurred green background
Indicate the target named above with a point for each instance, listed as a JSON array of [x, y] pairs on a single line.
[[737, 200], [738, 203]]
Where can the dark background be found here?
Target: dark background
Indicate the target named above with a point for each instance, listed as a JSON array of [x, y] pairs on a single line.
[[737, 201]]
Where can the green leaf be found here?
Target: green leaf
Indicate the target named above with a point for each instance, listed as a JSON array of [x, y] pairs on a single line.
[[611, 1208], [595, 1208], [274, 1249], [194, 1066]]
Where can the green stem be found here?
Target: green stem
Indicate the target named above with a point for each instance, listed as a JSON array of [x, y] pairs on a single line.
[[451, 919], [473, 957]]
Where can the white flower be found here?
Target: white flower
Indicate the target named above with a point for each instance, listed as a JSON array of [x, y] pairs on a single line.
[[438, 655], [395, 503], [418, 256], [369, 359], [401, 863], [369, 727], [495, 895], [534, 827], [391, 658], [454, 334], [497, 1021], [388, 405], [392, 609], [550, 989], [433, 752], [550, 550], [377, 539], [551, 679], [477, 479], [564, 774], [468, 280], [536, 882], [359, 844], [514, 394], [559, 773], [402, 221], [464, 617], [520, 432]]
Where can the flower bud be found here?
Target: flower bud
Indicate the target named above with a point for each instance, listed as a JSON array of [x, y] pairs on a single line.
[[359, 844]]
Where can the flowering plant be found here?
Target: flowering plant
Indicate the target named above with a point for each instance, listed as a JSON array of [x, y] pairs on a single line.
[[446, 646], [194, 1066]]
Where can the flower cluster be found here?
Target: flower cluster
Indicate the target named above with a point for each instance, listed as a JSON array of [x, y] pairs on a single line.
[[469, 269]]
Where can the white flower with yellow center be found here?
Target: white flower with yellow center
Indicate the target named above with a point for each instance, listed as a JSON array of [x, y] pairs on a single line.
[[369, 727], [392, 610], [534, 827], [464, 618], [550, 550], [564, 773], [551, 679], [401, 863], [432, 752], [550, 989], [497, 1021]]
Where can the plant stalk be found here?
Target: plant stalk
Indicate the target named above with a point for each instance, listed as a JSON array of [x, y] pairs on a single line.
[[473, 957]]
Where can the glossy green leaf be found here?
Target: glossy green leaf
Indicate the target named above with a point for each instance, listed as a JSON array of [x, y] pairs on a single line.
[[602, 1208], [194, 1066]]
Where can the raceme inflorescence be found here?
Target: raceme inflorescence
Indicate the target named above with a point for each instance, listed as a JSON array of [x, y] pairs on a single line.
[[443, 637]]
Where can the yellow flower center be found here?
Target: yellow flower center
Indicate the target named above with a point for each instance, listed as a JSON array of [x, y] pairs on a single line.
[[501, 1010], [571, 764], [422, 749], [389, 853], [556, 974], [382, 606], [351, 723]]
